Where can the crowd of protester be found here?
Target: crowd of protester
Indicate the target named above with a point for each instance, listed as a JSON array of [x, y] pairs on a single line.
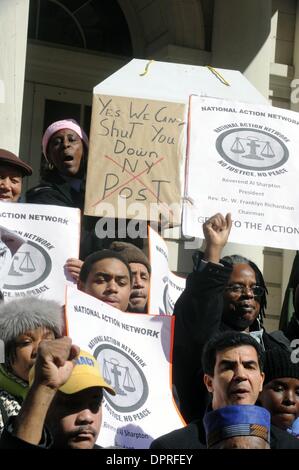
[[235, 384]]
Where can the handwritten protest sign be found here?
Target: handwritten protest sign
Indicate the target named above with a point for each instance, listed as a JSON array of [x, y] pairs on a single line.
[[134, 353], [135, 159], [137, 139], [165, 287], [36, 244], [243, 159]]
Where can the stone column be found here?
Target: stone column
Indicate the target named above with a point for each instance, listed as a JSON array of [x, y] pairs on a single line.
[[13, 41], [241, 39]]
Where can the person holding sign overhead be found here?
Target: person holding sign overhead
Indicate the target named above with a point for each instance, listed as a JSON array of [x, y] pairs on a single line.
[[221, 294]]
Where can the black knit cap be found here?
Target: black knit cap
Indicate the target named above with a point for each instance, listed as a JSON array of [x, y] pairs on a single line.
[[278, 364]]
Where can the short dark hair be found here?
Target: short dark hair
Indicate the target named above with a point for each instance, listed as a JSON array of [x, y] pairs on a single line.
[[228, 339], [98, 256]]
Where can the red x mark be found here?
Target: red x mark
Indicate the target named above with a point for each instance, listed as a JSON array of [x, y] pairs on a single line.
[[134, 177]]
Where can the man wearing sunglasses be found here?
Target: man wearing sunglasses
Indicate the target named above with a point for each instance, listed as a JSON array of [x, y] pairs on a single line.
[[221, 294]]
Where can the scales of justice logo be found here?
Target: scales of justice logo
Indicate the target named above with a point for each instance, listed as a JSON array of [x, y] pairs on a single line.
[[252, 149], [29, 266], [125, 376]]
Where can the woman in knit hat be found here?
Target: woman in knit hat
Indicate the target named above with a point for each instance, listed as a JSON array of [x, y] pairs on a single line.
[[65, 148], [280, 393], [24, 323]]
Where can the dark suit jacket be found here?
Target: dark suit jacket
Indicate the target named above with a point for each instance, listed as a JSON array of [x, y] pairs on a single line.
[[193, 437]]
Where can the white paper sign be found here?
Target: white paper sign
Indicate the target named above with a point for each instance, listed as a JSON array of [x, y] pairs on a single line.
[[133, 351], [45, 237], [176, 285], [243, 159], [165, 287]]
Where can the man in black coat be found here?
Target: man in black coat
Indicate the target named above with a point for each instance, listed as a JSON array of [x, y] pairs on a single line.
[[220, 295], [232, 364]]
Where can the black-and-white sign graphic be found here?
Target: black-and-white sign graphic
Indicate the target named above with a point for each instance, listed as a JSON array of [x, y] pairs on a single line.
[[125, 376], [252, 150]]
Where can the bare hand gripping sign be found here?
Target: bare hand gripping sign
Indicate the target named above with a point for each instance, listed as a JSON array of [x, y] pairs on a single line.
[[135, 158]]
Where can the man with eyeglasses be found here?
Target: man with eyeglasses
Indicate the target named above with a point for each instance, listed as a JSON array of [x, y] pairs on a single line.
[[221, 294]]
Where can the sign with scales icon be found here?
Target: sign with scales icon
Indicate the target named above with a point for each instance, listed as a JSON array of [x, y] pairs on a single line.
[[253, 144], [252, 149], [116, 370], [26, 266], [125, 376], [243, 159], [134, 354], [35, 251], [30, 264]]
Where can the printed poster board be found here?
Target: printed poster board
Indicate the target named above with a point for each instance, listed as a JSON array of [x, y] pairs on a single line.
[[36, 241], [134, 352], [165, 287], [243, 159]]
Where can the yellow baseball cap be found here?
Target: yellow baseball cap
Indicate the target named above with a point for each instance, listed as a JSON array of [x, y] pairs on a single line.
[[85, 374]]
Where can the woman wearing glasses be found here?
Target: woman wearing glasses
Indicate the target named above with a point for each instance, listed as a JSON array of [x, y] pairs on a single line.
[[221, 294]]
